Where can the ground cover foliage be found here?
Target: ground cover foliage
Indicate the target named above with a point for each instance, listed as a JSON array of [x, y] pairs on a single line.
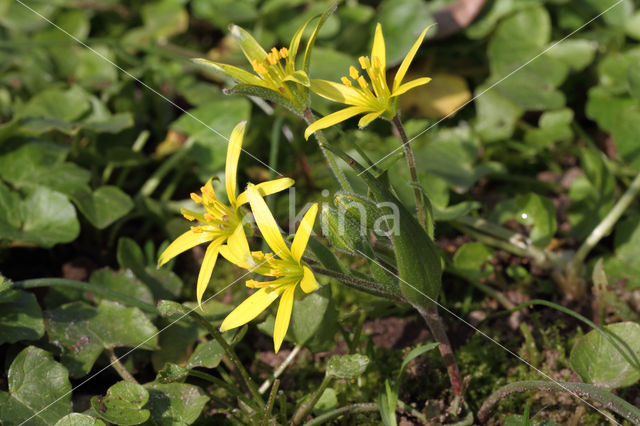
[[528, 176]]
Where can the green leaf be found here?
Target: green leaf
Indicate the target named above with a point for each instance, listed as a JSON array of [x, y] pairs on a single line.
[[346, 366], [36, 382], [103, 206], [122, 404], [554, 126], [472, 260], [416, 352], [402, 22], [20, 317], [420, 276], [175, 403], [121, 281], [221, 114], [308, 314], [82, 332], [599, 363], [172, 373], [633, 75], [42, 164], [207, 354], [162, 282], [77, 419], [605, 108], [625, 133], [44, 217], [161, 20], [623, 265], [615, 12], [496, 114], [576, 53], [614, 68], [56, 105], [532, 210], [327, 402]]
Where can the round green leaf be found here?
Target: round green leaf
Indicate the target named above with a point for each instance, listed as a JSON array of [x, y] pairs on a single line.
[[36, 382], [347, 366], [77, 419], [175, 403], [599, 363], [20, 317], [123, 404]]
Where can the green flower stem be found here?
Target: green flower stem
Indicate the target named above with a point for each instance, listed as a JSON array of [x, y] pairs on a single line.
[[605, 398], [411, 163], [154, 180], [270, 402], [331, 160], [222, 384], [231, 355], [505, 239], [80, 285], [360, 284], [120, 369], [606, 225], [347, 409], [278, 371], [138, 144], [436, 325], [488, 290], [307, 406]]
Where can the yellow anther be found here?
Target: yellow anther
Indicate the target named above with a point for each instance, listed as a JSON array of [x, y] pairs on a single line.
[[346, 81], [275, 53], [272, 58], [209, 217], [188, 217], [377, 62], [225, 217], [196, 229], [252, 283], [362, 82], [284, 53], [258, 255], [276, 272], [353, 72], [258, 67], [195, 197], [208, 194], [364, 62]]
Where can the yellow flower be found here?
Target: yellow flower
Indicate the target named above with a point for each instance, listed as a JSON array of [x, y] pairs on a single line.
[[219, 221], [272, 70], [381, 101], [284, 264]]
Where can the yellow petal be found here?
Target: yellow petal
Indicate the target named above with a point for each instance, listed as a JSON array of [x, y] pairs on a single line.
[[364, 121], [236, 73], [250, 47], [410, 85], [184, 242], [337, 92], [283, 317], [234, 147], [250, 308], [267, 188], [267, 224], [335, 118], [304, 231], [237, 250], [308, 282], [378, 49], [404, 66], [209, 261]]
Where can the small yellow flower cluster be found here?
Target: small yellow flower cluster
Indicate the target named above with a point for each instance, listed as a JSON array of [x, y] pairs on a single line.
[[221, 226]]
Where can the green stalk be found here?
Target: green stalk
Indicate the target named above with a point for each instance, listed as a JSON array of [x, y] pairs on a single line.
[[360, 284], [411, 164], [80, 285], [603, 397], [253, 389], [606, 225], [307, 406], [309, 118], [270, 402], [120, 369], [154, 180], [347, 409], [221, 383]]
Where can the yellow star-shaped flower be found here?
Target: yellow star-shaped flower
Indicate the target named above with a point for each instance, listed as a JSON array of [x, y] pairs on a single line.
[[372, 98], [284, 264], [219, 221]]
